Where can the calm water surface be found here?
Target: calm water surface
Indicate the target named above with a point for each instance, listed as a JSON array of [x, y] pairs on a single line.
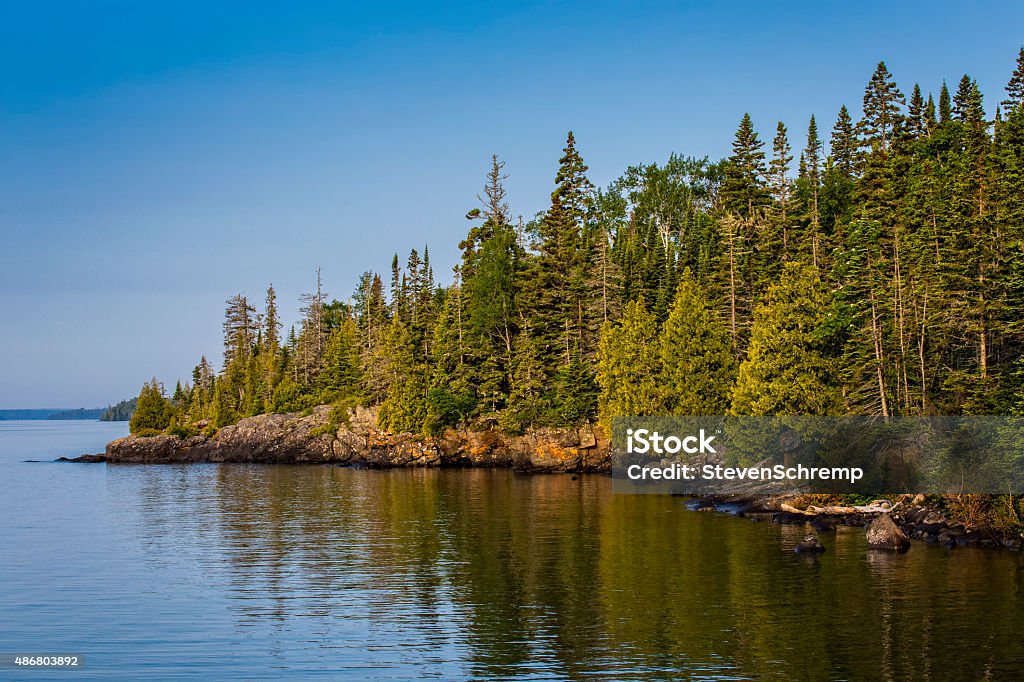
[[244, 572]]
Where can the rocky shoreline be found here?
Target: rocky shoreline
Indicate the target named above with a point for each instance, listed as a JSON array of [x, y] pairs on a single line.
[[313, 439], [909, 519]]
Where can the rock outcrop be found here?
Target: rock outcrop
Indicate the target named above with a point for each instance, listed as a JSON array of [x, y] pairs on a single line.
[[312, 439]]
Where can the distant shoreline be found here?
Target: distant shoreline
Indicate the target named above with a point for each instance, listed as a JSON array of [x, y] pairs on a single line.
[[47, 413]]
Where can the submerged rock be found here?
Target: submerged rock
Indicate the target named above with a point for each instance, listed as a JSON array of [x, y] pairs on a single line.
[[809, 545], [883, 533], [824, 524]]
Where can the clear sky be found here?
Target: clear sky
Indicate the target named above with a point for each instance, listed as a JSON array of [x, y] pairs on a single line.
[[158, 157]]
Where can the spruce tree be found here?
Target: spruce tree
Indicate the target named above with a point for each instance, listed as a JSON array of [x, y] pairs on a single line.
[[575, 394], [916, 112], [240, 328], [786, 371], [812, 161], [341, 376], [882, 101], [930, 116], [526, 403], [628, 366], [779, 184], [697, 369], [452, 395], [945, 105], [1015, 88], [743, 188], [844, 145], [152, 411], [489, 312], [270, 344], [404, 407], [554, 288], [225, 410]]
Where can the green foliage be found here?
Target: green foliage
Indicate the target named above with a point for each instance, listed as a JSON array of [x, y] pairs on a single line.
[[526, 404], [339, 416], [181, 429], [697, 368], [882, 117], [153, 411], [885, 277], [628, 366], [403, 409], [446, 407], [341, 375], [575, 393], [744, 175], [786, 372]]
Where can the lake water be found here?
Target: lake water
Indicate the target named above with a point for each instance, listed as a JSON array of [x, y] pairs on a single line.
[[263, 572]]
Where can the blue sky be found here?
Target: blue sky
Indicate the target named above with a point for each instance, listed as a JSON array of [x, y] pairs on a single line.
[[158, 157]]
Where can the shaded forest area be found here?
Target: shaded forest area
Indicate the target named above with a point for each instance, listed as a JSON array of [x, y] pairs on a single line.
[[885, 276]]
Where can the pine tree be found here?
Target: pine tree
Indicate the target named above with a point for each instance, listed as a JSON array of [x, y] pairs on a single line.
[[696, 364], [786, 371]]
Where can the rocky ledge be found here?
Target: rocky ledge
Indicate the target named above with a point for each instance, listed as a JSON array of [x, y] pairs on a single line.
[[312, 439]]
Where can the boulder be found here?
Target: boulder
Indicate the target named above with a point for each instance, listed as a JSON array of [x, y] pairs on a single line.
[[883, 533], [809, 545]]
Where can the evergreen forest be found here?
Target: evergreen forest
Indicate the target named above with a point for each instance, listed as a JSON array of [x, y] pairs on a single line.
[[863, 264]]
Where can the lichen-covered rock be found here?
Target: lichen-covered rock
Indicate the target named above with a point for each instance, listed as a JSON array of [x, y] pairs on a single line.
[[883, 533], [311, 439]]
